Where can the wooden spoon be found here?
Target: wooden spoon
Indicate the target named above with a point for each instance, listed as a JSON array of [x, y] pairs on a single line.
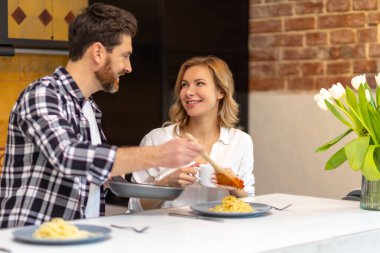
[[224, 177]]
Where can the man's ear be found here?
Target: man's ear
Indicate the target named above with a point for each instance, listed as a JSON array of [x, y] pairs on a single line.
[[97, 51]]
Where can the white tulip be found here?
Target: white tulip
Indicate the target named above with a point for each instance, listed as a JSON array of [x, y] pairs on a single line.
[[357, 81], [368, 95], [377, 78], [321, 104], [325, 94], [337, 91], [317, 97], [320, 98]]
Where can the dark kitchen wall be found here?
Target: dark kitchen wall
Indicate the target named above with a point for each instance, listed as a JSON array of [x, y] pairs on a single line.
[[136, 108], [170, 32]]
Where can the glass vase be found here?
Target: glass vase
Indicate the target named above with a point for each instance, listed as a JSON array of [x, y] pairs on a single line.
[[370, 195]]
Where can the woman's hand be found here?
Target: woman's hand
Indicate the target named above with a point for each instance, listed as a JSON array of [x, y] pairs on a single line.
[[239, 193], [227, 187], [182, 177]]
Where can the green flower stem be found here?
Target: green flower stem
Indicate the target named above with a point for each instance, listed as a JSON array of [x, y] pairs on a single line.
[[362, 122], [341, 106], [353, 116]]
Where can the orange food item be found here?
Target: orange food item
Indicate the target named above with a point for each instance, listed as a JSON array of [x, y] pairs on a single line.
[[233, 181]]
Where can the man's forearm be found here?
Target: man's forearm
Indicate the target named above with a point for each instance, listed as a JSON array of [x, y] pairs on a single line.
[[129, 159], [172, 154]]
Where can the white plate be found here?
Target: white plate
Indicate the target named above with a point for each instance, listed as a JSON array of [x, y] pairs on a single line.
[[203, 208], [25, 234]]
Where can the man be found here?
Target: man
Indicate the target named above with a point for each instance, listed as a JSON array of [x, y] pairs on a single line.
[[56, 157]]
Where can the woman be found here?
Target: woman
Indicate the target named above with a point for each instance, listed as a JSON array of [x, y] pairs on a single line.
[[204, 106]]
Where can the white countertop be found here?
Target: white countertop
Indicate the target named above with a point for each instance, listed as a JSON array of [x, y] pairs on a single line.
[[310, 225]]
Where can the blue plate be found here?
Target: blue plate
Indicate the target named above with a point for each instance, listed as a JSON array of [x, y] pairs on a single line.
[[203, 208], [25, 234]]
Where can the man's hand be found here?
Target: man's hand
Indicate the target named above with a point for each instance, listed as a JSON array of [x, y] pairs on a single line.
[[178, 152], [172, 154]]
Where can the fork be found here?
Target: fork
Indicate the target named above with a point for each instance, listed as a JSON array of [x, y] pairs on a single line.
[[5, 250], [142, 230], [281, 208]]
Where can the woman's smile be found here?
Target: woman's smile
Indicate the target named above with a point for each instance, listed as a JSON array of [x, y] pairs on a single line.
[[192, 102]]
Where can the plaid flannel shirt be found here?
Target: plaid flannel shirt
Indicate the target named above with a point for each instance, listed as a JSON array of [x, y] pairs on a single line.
[[50, 161]]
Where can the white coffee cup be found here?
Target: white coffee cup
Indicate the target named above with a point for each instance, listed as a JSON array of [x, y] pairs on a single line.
[[205, 172]]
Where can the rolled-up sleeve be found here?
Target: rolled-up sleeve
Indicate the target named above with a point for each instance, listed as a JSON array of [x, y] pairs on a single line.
[[43, 118]]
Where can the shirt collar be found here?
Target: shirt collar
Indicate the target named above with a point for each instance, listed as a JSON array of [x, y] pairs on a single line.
[[224, 135], [70, 85]]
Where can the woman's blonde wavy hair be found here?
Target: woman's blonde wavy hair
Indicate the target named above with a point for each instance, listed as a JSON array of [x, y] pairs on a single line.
[[228, 108]]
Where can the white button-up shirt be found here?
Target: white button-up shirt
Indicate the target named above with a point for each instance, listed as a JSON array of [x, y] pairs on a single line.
[[233, 150]]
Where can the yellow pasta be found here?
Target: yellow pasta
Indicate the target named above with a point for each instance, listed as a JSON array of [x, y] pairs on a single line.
[[231, 204], [59, 229]]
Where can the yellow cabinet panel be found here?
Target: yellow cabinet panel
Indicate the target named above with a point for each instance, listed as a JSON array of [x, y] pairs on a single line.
[[60, 30], [31, 24], [13, 29], [78, 5], [61, 8], [32, 28], [34, 7], [9, 92], [9, 69], [3, 128], [12, 5], [33, 67]]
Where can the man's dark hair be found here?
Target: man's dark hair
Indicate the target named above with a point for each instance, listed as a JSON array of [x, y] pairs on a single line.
[[99, 23]]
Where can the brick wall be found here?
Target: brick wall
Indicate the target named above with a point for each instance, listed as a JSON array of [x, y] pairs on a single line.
[[310, 44]]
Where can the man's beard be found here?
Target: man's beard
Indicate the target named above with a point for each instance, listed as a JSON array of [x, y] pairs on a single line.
[[108, 80]]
